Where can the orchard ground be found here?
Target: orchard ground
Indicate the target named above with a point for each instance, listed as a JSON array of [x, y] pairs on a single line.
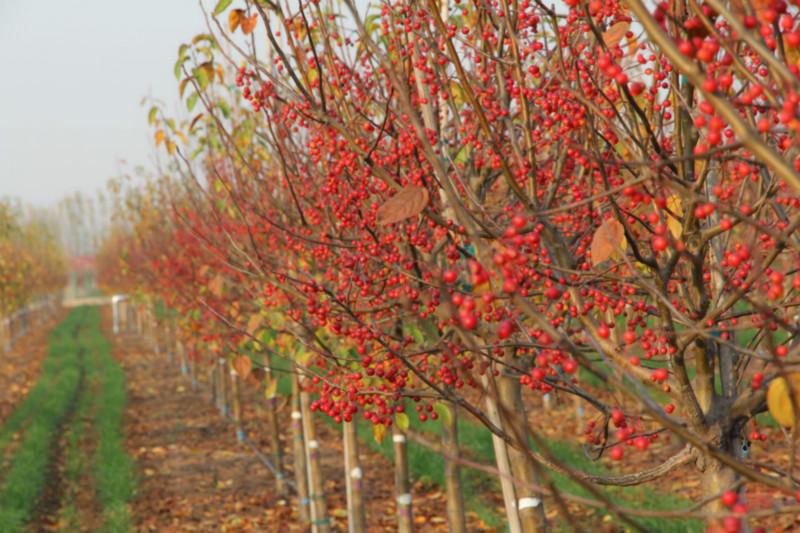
[[173, 463]]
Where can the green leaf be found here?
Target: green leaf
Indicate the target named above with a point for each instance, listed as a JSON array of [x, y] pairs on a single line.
[[202, 78], [171, 123], [444, 412], [222, 5], [402, 421], [204, 37], [151, 116], [178, 64], [182, 86], [191, 101], [223, 106], [416, 334]]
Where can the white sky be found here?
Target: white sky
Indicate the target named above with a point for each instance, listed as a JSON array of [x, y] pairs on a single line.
[[72, 75]]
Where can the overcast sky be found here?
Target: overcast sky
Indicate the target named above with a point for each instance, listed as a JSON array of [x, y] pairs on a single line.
[[73, 75]]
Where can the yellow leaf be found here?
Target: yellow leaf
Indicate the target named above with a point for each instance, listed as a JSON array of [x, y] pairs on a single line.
[[674, 224], [402, 421], [378, 432], [171, 147], [234, 19], [271, 390], [779, 402], [303, 356], [633, 45]]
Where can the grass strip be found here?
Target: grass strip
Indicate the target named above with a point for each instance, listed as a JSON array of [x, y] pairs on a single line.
[[76, 460], [114, 475], [54, 395]]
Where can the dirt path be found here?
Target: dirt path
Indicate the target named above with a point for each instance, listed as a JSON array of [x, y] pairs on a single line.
[[20, 366]]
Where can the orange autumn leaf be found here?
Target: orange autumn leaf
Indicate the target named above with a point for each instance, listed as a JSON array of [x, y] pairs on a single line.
[[235, 18], [249, 24], [608, 238], [254, 323], [216, 285], [409, 202], [615, 33], [243, 365]]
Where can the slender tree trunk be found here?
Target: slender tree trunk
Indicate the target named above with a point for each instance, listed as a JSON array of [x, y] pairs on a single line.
[[223, 387], [139, 323], [215, 384], [193, 370], [236, 403], [529, 504], [356, 516], [273, 429], [456, 519], [402, 482], [320, 523], [501, 456], [299, 448], [182, 358], [5, 337]]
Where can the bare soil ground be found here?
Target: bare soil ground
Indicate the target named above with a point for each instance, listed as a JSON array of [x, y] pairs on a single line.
[[19, 368]]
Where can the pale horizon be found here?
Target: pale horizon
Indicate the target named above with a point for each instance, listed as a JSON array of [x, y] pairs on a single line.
[[75, 74]]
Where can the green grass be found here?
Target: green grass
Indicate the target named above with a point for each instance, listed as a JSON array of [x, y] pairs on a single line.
[[476, 442], [42, 414], [75, 346], [113, 469], [76, 461]]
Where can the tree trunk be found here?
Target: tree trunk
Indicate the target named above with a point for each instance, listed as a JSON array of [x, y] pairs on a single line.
[[501, 456], [356, 517], [320, 523], [529, 504], [273, 429], [236, 405], [456, 520], [299, 448], [402, 483], [222, 393], [214, 387], [717, 478]]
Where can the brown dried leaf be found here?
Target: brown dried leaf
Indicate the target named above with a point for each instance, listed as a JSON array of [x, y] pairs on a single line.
[[216, 285], [608, 238], [254, 323], [613, 35], [409, 202], [243, 365], [257, 376]]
